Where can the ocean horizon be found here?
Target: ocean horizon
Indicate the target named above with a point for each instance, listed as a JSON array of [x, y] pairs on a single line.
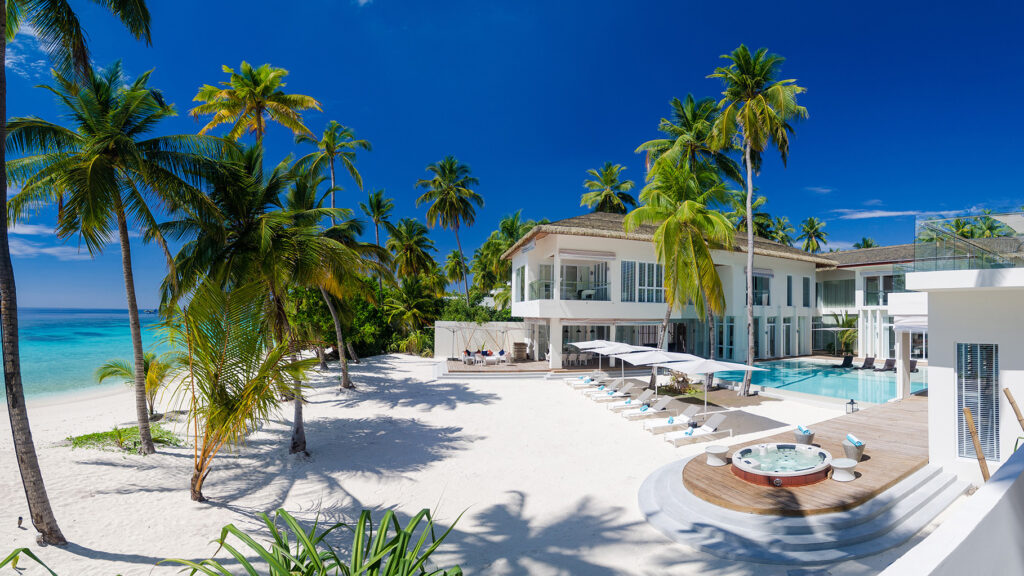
[[61, 348]]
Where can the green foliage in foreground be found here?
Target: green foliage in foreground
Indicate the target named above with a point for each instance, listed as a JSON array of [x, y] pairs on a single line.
[[123, 438], [295, 550], [13, 557]]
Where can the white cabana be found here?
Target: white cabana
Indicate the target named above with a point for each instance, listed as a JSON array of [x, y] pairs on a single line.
[[707, 366]]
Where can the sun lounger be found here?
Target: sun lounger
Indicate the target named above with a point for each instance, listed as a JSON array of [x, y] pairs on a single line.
[[631, 403], [869, 363], [588, 381], [913, 365], [651, 411], [682, 420], [890, 365], [578, 379], [847, 363], [618, 388], [703, 433], [605, 387]]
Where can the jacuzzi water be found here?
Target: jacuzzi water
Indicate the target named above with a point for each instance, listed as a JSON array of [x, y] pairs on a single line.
[[785, 459]]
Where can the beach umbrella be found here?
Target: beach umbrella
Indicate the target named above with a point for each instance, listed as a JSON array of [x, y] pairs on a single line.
[[707, 366], [654, 356], [591, 344], [616, 348]]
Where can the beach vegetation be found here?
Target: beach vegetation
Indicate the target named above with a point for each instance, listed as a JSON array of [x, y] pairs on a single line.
[[159, 371], [236, 369], [387, 549], [757, 111], [124, 439], [812, 232]]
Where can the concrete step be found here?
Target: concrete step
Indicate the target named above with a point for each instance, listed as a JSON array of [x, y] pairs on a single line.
[[911, 506]]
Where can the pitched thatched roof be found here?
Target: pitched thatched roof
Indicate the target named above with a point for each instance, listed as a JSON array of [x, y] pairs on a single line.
[[603, 225]]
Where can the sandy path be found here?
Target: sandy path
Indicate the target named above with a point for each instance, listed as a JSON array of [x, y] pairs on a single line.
[[548, 480]]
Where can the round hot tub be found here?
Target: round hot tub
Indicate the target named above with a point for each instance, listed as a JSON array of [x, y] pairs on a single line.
[[781, 464]]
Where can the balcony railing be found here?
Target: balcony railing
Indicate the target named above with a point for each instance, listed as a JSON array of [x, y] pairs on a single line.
[[584, 291], [541, 290], [969, 243]]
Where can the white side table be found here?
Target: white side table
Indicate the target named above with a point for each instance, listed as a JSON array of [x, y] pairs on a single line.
[[716, 455], [842, 469]]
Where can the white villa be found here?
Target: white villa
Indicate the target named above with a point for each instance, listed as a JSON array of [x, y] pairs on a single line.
[[583, 278]]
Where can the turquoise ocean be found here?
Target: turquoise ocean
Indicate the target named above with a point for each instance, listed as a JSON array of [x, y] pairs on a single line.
[[62, 348]]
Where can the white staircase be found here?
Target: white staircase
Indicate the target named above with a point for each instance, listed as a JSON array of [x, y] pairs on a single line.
[[884, 522]]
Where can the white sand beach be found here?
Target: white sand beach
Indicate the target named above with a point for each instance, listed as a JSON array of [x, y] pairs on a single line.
[[548, 480]]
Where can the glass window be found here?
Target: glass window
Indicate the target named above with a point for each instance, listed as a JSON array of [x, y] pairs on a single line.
[[977, 387], [807, 292], [789, 290], [628, 281], [836, 293], [650, 283], [871, 295], [762, 291], [520, 283]]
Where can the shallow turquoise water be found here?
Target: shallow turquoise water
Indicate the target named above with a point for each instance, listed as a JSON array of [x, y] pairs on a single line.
[[817, 377], [62, 348]]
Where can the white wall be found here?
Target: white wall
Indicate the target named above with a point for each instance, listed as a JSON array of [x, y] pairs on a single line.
[[977, 316], [472, 336], [982, 536]]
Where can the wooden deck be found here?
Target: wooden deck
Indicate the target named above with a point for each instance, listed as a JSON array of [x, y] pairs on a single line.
[[525, 366], [896, 438]]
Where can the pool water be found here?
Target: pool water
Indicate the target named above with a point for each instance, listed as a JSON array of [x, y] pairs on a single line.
[[784, 459], [822, 378]]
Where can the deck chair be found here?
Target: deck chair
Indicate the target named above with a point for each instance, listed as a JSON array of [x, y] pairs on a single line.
[[615, 390], [913, 365], [605, 387], [631, 403], [709, 427], [847, 363], [582, 381], [653, 410], [890, 364], [662, 425], [869, 363], [621, 394]]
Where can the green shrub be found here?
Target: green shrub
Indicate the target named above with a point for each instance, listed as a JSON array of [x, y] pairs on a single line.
[[121, 439]]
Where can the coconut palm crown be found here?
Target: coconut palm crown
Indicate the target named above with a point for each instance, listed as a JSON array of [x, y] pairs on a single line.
[[608, 193]]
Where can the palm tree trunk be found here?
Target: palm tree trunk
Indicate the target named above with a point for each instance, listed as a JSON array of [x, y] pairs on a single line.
[[332, 189], [745, 388], [298, 444], [141, 401], [346, 382], [24, 448], [376, 239], [462, 258], [321, 355], [352, 352], [664, 339]]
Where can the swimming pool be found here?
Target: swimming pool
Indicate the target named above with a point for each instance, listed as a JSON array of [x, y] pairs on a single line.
[[821, 377]]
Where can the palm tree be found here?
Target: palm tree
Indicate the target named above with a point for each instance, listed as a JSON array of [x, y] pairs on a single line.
[[410, 247], [337, 142], [988, 227], [607, 192], [160, 370], [677, 200], [813, 234], [489, 270], [757, 107], [865, 242], [248, 98], [451, 198], [59, 30], [455, 268], [848, 336], [763, 223], [782, 231], [962, 227], [235, 370], [104, 174], [688, 139], [408, 307], [378, 208]]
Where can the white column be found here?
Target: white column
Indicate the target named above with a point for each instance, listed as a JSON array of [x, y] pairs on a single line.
[[862, 334], [902, 365], [555, 344]]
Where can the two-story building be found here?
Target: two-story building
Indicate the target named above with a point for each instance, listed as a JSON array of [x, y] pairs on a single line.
[[584, 278]]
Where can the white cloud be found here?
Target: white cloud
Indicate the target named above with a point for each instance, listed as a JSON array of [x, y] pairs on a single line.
[[24, 56], [840, 245], [26, 249], [363, 2], [873, 202], [23, 229], [819, 189], [857, 214]]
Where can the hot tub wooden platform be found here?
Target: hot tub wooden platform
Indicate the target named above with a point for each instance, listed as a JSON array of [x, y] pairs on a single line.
[[896, 435]]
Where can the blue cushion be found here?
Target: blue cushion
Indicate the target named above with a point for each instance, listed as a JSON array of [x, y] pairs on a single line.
[[853, 440], [644, 408], [671, 420], [630, 401]]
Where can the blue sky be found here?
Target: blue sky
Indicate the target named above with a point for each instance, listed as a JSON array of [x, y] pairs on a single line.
[[912, 106]]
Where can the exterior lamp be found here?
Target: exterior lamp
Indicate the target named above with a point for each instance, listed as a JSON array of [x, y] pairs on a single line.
[[852, 406]]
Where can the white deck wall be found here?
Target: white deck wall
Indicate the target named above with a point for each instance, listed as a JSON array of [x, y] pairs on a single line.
[[731, 268]]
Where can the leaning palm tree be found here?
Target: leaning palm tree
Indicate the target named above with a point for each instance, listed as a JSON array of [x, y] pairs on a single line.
[[337, 143], [678, 200], [410, 248], [451, 199], [160, 370], [60, 33], [812, 232], [756, 109], [235, 370], [688, 139], [248, 98], [782, 231], [608, 193], [104, 174]]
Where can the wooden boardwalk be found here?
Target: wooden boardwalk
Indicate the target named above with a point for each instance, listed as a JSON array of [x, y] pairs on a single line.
[[896, 438]]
